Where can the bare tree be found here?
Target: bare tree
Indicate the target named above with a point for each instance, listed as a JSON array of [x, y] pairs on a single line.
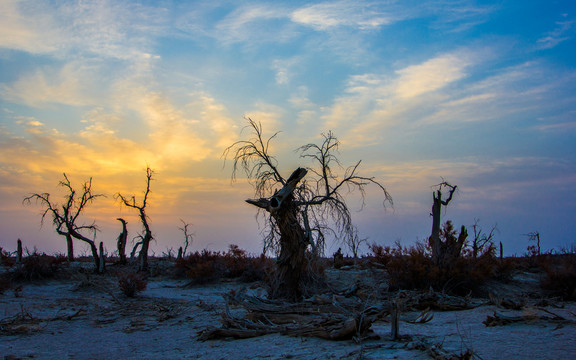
[[188, 236], [65, 216], [482, 242], [534, 249], [299, 215], [444, 251], [121, 242], [354, 242], [147, 233]]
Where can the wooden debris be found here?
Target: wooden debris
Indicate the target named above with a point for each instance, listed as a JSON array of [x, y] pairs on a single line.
[[436, 301], [422, 318], [316, 317], [507, 303], [501, 320], [394, 321]]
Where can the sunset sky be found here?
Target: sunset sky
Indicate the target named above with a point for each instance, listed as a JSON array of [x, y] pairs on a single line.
[[481, 94]]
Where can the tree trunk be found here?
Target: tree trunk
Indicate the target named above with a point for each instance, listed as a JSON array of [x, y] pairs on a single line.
[[95, 256], [291, 263], [19, 252], [121, 243], [395, 321], [434, 241], [143, 256], [76, 235], [70, 247], [102, 264]]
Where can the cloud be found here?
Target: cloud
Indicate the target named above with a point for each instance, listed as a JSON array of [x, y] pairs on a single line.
[[254, 24], [283, 69], [372, 102], [73, 84], [357, 14], [564, 31], [432, 75], [19, 32], [457, 16]]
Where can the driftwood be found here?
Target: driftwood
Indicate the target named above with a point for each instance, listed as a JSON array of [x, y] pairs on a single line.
[[437, 301], [507, 303], [325, 326], [26, 323], [501, 320], [315, 317]]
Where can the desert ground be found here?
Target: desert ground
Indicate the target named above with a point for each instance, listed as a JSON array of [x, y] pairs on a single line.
[[86, 316]]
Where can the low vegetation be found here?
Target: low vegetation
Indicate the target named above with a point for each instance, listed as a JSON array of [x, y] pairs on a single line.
[[208, 266]]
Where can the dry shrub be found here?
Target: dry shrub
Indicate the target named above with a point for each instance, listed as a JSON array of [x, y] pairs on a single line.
[[383, 254], [5, 284], [257, 269], [201, 267], [413, 268], [560, 275], [131, 284], [38, 266], [6, 259], [208, 266]]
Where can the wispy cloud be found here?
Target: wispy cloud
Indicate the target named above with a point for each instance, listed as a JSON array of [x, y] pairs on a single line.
[[564, 31], [374, 101], [252, 24], [357, 14], [72, 84], [432, 75], [92, 28], [33, 31], [458, 16], [283, 69]]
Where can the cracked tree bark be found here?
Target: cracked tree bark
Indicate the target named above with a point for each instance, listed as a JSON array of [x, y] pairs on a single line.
[[291, 262]]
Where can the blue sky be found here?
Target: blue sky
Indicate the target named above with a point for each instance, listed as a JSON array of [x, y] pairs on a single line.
[[479, 93]]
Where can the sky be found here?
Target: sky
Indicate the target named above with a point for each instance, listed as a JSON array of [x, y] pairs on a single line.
[[481, 94]]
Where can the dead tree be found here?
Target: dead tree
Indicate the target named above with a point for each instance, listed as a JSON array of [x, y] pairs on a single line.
[[534, 249], [102, 264], [188, 237], [445, 246], [299, 214], [121, 242], [354, 242], [147, 233], [65, 216], [19, 252], [483, 243]]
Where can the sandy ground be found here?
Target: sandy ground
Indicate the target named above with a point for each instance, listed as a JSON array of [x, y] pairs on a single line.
[[62, 320]]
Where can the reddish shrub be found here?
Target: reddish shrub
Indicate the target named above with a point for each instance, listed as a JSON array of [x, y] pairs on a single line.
[[413, 268], [208, 266], [257, 269], [131, 284], [6, 259], [560, 275], [38, 266], [5, 284]]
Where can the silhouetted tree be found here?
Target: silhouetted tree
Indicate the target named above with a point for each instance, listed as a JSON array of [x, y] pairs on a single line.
[[483, 242], [188, 237], [301, 213], [446, 247], [354, 242], [534, 249], [121, 242], [65, 216], [147, 233]]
